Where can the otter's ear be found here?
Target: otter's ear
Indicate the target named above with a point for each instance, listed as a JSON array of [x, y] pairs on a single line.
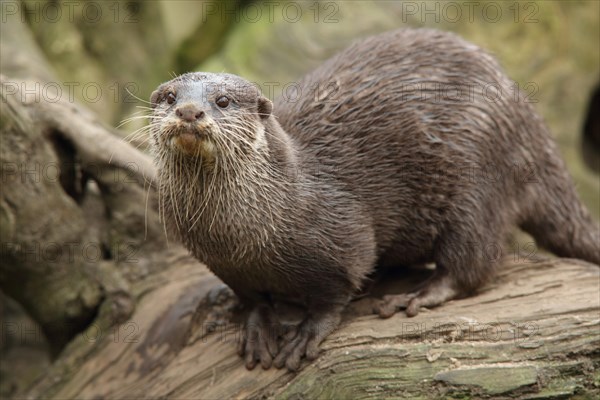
[[265, 106], [154, 98]]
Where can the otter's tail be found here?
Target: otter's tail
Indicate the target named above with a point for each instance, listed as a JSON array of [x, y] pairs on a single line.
[[557, 219]]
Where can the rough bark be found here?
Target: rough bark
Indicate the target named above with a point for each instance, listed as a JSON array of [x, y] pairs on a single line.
[[62, 257], [534, 333], [38, 268]]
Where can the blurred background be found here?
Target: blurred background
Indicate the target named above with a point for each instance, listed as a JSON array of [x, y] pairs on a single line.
[[111, 55], [106, 50]]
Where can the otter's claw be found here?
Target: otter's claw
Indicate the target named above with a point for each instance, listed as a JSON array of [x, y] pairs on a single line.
[[306, 342], [392, 303], [436, 291], [259, 341]]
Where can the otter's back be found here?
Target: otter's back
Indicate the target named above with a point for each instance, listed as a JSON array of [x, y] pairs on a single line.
[[399, 119]]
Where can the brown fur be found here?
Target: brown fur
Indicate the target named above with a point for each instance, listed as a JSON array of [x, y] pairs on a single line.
[[380, 165]]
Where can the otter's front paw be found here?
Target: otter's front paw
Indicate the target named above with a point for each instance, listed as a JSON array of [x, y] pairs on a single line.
[[259, 339], [305, 343]]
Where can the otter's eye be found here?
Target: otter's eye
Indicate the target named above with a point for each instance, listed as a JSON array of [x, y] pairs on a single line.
[[223, 101], [171, 98]]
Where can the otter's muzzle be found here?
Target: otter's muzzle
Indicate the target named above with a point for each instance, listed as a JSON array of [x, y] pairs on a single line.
[[189, 113]]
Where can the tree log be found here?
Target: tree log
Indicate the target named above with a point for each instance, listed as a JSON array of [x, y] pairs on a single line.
[[534, 333]]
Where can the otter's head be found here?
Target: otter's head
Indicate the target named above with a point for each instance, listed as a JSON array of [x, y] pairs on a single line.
[[208, 116]]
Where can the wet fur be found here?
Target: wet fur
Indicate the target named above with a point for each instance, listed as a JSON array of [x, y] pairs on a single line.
[[370, 170]]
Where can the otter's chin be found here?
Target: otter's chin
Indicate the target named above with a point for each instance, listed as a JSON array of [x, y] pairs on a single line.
[[192, 144]]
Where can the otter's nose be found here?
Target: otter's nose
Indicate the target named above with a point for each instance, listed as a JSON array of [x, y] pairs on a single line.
[[189, 113]]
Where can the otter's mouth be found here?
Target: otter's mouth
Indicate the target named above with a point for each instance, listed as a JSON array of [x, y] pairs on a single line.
[[190, 140]]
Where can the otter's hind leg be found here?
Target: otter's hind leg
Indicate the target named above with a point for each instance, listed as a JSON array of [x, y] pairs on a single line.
[[435, 291], [462, 266]]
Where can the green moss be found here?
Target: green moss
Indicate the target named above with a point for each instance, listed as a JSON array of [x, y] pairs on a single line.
[[494, 380]]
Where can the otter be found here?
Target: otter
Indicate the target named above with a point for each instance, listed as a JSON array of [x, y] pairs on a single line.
[[299, 201]]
